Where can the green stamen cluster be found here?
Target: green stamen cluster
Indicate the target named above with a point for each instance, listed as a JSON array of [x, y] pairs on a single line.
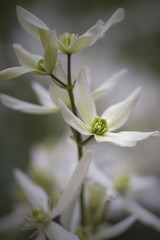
[[99, 126], [68, 38], [40, 217], [41, 65], [122, 184], [82, 233]]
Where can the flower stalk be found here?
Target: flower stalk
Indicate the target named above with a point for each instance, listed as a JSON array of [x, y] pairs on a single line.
[[77, 135]]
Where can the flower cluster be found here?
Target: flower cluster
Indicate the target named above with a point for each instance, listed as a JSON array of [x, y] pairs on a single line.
[[68, 194]]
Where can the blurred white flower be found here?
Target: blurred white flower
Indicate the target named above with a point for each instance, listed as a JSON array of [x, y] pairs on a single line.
[[42, 215], [132, 190]]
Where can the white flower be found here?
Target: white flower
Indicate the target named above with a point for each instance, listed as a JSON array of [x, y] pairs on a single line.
[[49, 99], [48, 161], [68, 43], [132, 192], [111, 119], [97, 186], [32, 62], [47, 104], [42, 216]]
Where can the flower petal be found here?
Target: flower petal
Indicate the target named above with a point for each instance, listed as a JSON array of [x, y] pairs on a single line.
[[43, 95], [56, 232], [26, 107], [74, 184], [108, 85], [125, 139], [34, 193], [87, 39], [118, 114], [115, 18], [114, 230], [50, 55], [57, 92], [26, 58], [29, 22], [143, 214], [14, 219], [14, 72], [72, 120], [83, 98], [97, 176]]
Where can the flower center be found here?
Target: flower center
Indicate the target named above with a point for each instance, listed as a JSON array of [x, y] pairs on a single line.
[[82, 233], [68, 38], [40, 217], [41, 65], [122, 184], [99, 126]]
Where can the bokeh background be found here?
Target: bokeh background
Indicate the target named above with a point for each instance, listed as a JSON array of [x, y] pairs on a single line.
[[133, 44]]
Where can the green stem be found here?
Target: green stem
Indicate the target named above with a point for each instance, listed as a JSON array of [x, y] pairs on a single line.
[[77, 135], [59, 82]]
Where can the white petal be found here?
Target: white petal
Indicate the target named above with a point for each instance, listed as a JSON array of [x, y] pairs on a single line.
[[118, 114], [72, 120], [97, 176], [50, 55], [141, 184], [83, 98], [60, 73], [143, 214], [57, 92], [34, 193], [115, 230], [74, 184], [26, 58], [115, 18], [108, 85], [14, 220], [88, 38], [14, 72], [67, 217], [26, 107], [55, 232], [29, 22], [43, 95], [125, 139]]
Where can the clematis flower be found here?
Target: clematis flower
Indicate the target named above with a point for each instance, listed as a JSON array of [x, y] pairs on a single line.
[[49, 99], [41, 216], [68, 43], [111, 119], [47, 105], [32, 62], [97, 192], [132, 191]]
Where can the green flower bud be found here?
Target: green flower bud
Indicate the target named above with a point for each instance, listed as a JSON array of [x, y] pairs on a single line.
[[99, 126], [41, 66]]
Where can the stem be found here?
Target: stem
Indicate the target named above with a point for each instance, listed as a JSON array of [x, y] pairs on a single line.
[[60, 83], [73, 106], [77, 135]]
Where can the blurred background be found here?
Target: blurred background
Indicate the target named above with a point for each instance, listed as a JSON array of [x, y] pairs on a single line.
[[133, 44]]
